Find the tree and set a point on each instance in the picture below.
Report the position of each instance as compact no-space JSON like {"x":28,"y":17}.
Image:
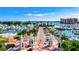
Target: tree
{"x":34,"y":31}
{"x":17,"y":37}
{"x":64,"y":37}
{"x":66,"y":45}
{"x":70,"y":45}
{"x":51,"y":31}
{"x":22,"y":32}
{"x":0,"y":32}
{"x":28,"y":23}
{"x":75,"y":44}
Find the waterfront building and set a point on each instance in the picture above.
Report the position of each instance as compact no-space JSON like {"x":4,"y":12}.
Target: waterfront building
{"x":69,"y":20}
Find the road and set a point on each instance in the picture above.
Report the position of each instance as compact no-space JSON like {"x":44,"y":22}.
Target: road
{"x":40,"y":36}
{"x":39,"y":42}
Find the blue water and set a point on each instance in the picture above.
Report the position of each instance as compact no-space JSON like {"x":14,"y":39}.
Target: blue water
{"x":66,"y":32}
{"x":69,"y":34}
{"x":9,"y":31}
{"x":53,"y":22}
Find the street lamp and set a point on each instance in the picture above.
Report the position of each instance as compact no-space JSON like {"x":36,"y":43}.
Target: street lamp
{"x":21,"y":42}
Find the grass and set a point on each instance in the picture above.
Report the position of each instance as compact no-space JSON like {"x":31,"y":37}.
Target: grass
{"x":2,"y":45}
{"x":3,"y":39}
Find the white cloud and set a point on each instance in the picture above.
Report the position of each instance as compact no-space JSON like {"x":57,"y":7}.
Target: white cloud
{"x":70,"y":15}
{"x":39,"y":15}
{"x":29,"y":14}
{"x":43,"y":14}
{"x":76,"y":14}
{"x":49,"y":13}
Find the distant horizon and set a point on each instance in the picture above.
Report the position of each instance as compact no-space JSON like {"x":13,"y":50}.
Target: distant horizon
{"x":37,"y":13}
{"x":25,"y":21}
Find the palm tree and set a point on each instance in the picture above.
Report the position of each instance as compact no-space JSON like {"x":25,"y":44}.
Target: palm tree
{"x":64,"y":37}
{"x":51,"y":31}
{"x":70,"y":45}
{"x":63,"y":41}
{"x":66,"y":46}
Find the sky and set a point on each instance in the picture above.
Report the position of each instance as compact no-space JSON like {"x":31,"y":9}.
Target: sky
{"x":37,"y":13}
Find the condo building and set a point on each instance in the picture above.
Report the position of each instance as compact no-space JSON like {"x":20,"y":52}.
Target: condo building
{"x":69,"y":23}
{"x":69,"y":20}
